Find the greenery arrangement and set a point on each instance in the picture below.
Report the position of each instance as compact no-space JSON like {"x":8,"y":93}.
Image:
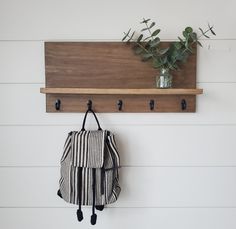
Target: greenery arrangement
{"x":147,"y":44}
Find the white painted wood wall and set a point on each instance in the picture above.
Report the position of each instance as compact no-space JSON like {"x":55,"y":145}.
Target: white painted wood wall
{"x":179,"y":170}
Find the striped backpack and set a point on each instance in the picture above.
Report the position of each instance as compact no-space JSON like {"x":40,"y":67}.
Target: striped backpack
{"x":89,"y":169}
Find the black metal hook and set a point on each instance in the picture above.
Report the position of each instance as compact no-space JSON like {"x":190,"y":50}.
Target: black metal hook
{"x":119,"y":104}
{"x":183,"y":104}
{"x":58,"y":104}
{"x":151,"y":104}
{"x":89,"y":104}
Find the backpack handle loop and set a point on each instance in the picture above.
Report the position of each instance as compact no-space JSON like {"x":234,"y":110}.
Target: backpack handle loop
{"x":85,"y":116}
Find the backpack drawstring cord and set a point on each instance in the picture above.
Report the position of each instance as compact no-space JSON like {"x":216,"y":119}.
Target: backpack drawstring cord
{"x":94,"y":216}
{"x":79,"y":211}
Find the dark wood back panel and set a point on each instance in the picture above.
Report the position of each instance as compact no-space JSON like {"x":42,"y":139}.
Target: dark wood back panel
{"x":105,"y":65}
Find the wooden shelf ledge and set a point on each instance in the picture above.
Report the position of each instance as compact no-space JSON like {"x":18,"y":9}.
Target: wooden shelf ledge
{"x":118,"y":91}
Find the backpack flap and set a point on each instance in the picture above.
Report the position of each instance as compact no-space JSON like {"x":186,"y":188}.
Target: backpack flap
{"x":87,"y":148}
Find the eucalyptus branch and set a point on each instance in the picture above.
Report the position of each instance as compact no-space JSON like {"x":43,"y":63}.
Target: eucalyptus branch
{"x":141,"y":46}
{"x":205,"y":32}
{"x":148,"y":48}
{"x":146,"y":23}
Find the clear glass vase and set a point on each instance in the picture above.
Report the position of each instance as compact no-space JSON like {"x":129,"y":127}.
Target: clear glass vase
{"x":164,"y":80}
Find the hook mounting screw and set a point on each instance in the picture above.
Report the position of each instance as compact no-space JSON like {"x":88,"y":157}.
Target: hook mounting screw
{"x":119,"y":104}
{"x":151,"y":104}
{"x":58,"y":104}
{"x":183,"y":104}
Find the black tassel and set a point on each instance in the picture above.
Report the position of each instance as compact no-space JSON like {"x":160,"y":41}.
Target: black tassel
{"x":99,"y":207}
{"x":79,"y":215}
{"x":93,"y":219}
{"x":79,"y":212}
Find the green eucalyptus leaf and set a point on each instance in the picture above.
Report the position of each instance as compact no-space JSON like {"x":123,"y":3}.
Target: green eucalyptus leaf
{"x":201,"y":30}
{"x":130,"y":38}
{"x":186,"y":43}
{"x":181,"y":40}
{"x":164,"y":51}
{"x":213,"y":32}
{"x":144,"y":29}
{"x":193,"y":36}
{"x":189,"y":49}
{"x":138,"y":50}
{"x":175,"y":53}
{"x":146,"y":38}
{"x":145,"y":21}
{"x":157,"y":39}
{"x":155,"y":43}
{"x":206,"y":36}
{"x":185,"y":34}
{"x":126,"y":35}
{"x":147,"y":44}
{"x":139,"y":38}
{"x":177,"y":45}
{"x":179,"y":57}
{"x":199,"y":43}
{"x":211,"y":29}
{"x":188,"y":30}
{"x":156,"y":32}
{"x":157,"y":63}
{"x":164,"y":60}
{"x":152,"y":24}
{"x":146,"y":56}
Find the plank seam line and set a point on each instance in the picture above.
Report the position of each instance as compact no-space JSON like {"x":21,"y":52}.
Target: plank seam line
{"x":101,"y":40}
{"x":145,"y":207}
{"x":120,"y":124}
{"x":42,"y":83}
{"x":125,"y":166}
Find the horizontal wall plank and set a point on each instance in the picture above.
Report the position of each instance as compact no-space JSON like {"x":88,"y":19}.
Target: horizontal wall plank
{"x":211,"y":60}
{"x":141,"y":187}
{"x":138,"y":145}
{"x":24,"y":105}
{"x":117,"y":218}
{"x":78,"y":20}
{"x":23,"y":62}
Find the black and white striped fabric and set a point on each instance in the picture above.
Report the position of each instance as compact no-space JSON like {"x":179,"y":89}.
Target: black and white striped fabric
{"x":89,"y":169}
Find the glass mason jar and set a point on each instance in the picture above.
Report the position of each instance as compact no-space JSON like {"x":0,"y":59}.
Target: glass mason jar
{"x":164,"y":80}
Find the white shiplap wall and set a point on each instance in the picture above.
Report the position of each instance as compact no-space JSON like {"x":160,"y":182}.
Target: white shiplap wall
{"x":179,"y":170}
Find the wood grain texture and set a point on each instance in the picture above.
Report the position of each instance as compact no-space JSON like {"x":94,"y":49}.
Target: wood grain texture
{"x":106,"y":65}
{"x":120,"y":91}
{"x":131,"y":103}
{"x":110,"y":65}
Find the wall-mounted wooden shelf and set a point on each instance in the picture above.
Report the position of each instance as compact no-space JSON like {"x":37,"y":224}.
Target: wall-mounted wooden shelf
{"x":121,"y":91}
{"x":108,"y":74}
